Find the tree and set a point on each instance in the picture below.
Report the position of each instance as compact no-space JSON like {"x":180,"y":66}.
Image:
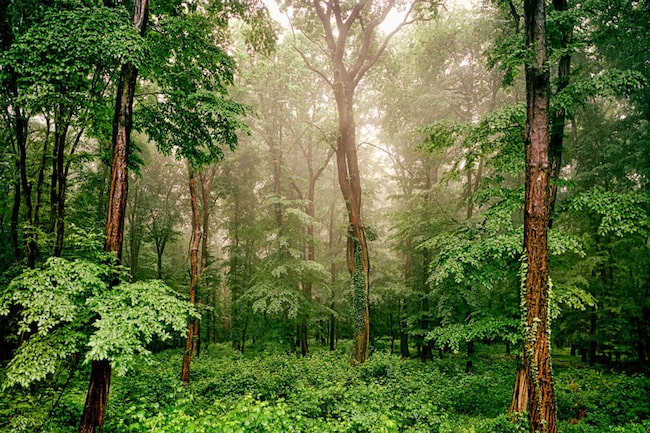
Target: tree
{"x":343,"y":26}
{"x":191,"y":116}
{"x":92,"y":418}
{"x":537,"y":356}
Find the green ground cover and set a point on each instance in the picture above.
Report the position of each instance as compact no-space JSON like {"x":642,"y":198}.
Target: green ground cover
{"x":268,"y":390}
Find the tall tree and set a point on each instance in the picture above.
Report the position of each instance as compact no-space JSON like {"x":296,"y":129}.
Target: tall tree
{"x":92,"y":419}
{"x":537,"y":357}
{"x":354,"y":44}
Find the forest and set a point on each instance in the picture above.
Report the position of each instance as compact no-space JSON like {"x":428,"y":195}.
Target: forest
{"x":325,"y":216}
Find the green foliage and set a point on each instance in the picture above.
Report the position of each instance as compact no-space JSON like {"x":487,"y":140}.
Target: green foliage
{"x":274,"y":392}
{"x":489,"y":328}
{"x":60,"y":303}
{"x":191,"y":116}
{"x":602,"y":400}
{"x":130,"y":315}
{"x":620,"y":214}
{"x":55,"y":59}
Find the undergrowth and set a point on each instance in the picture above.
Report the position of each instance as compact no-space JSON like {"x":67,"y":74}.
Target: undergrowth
{"x":271,"y":391}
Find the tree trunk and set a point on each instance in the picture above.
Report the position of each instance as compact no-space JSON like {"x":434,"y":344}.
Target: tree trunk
{"x":358,"y":261}
{"x":519,"y":402}
{"x":403,"y":334}
{"x":101,"y":208}
{"x":194,"y":273}
{"x":15,"y":214}
{"x":97,"y":398}
{"x":537,"y":357}
{"x":92,"y":419}
{"x":58,"y":206}
{"x":26,"y":187}
{"x":207,"y":178}
{"x":41,"y":174}
{"x":559,"y":116}
{"x":134,"y":242}
{"x":333,"y":275}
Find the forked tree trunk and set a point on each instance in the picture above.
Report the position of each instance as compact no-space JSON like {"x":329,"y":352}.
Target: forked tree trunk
{"x":92,"y":419}
{"x":537,"y":357}
{"x":346,"y":75}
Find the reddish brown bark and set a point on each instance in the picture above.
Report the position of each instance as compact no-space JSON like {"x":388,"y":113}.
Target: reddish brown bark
{"x":92,"y":419}
{"x":192,"y":330}
{"x":537,"y":357}
{"x":519,"y":403}
{"x":97,"y":397}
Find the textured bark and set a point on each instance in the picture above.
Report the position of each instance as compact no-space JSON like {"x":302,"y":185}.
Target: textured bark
{"x":357,"y":258}
{"x":92,"y":419}
{"x":537,"y":357}
{"x":97,"y":397}
{"x":519,"y":402}
{"x":194,"y":274}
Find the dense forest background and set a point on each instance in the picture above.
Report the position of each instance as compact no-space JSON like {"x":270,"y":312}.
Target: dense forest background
{"x":238,"y":244}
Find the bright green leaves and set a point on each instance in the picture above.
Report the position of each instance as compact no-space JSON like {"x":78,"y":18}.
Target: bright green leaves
{"x":130,"y":315}
{"x":59,"y":304}
{"x":488,"y":328}
{"x":190,"y":114}
{"x":51,"y":306}
{"x":53,"y":295}
{"x":619,"y":214}
{"x":57,"y":59}
{"x":41,"y":355}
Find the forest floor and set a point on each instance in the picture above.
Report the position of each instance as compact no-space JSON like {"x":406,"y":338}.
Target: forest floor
{"x":268,"y":390}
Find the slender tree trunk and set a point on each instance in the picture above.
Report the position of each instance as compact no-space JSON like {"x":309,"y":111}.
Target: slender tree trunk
{"x":26,"y":188}
{"x":58,"y":205}
{"x":134,"y":247}
{"x":101,"y":207}
{"x":41,"y":175}
{"x":194,"y":273}
{"x":403,"y":334}
{"x":559,"y":116}
{"x":333,"y":276}
{"x":15,"y":214}
{"x":207,"y":177}
{"x":92,"y":419}
{"x":537,"y":357}
{"x":159,"y":254}
{"x":53,"y":190}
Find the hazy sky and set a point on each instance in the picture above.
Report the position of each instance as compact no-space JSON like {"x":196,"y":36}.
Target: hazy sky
{"x":391,"y":21}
